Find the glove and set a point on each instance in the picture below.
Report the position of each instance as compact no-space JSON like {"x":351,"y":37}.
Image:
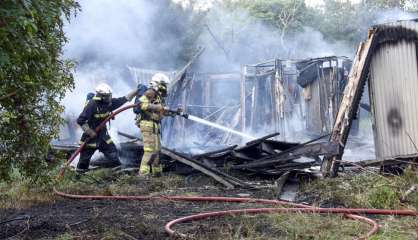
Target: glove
{"x":91,"y":133}
{"x":179,"y":111}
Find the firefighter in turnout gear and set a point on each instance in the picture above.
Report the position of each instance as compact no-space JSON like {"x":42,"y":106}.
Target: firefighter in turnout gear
{"x":95,"y":111}
{"x":152,"y":110}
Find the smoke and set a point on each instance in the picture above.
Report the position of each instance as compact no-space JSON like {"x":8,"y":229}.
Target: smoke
{"x":233,"y":37}
{"x":107,"y":36}
{"x":392,"y":15}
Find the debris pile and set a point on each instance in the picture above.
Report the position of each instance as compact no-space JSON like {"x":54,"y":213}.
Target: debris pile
{"x":261,"y":157}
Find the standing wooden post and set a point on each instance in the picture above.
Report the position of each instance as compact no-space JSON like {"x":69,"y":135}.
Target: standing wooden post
{"x":349,"y":103}
{"x":243,"y":98}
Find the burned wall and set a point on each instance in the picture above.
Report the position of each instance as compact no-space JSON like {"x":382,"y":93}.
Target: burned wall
{"x":393,"y":84}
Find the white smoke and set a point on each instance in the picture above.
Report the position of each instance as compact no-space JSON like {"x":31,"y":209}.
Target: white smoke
{"x":392,"y":15}
{"x":107,"y":36}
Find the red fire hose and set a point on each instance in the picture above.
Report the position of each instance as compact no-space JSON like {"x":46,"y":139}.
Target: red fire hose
{"x":301,"y":208}
{"x":170,"y":231}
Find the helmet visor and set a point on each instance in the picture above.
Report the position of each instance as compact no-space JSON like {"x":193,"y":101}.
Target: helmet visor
{"x":107,"y":98}
{"x":162,"y":88}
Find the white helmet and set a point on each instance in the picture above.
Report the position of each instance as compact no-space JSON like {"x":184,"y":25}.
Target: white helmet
{"x":158,"y":80}
{"x":103,"y":89}
{"x":104,"y":92}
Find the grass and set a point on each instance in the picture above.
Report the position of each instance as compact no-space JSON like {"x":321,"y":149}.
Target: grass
{"x":22,"y":193}
{"x":276,"y":226}
{"x":65,"y":236}
{"x":365,"y":190}
{"x":370,"y":190}
{"x":105,"y":182}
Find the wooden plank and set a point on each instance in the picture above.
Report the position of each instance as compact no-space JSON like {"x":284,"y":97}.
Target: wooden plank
{"x":349,"y":103}
{"x":198,"y":167}
{"x":212,"y":172}
{"x":262,"y":139}
{"x":304,"y":150}
{"x":223,"y":150}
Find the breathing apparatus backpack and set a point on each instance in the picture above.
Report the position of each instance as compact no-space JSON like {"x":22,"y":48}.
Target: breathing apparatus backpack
{"x":141,"y":89}
{"x":89,"y":97}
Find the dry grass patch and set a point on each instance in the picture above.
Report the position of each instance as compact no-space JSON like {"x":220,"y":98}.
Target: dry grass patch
{"x":275,"y":226}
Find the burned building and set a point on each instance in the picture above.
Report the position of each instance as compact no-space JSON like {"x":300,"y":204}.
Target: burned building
{"x":387,"y":61}
{"x":211,"y":96}
{"x":297,"y":98}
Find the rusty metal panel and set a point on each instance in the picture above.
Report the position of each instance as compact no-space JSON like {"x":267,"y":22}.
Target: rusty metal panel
{"x":394,"y":90}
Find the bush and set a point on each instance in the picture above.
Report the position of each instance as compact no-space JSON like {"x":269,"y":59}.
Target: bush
{"x":34,"y":78}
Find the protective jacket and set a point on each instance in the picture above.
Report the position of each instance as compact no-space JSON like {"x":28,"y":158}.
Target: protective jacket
{"x":148,"y":101}
{"x":149,"y":119}
{"x":94,"y":113}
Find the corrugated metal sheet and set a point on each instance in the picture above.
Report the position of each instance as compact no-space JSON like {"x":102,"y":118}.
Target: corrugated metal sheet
{"x":394,"y":91}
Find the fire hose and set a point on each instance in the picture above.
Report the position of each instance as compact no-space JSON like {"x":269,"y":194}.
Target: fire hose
{"x":300,"y":208}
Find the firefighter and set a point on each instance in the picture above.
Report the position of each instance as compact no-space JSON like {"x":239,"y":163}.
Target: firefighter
{"x":95,"y":111}
{"x":152,"y":110}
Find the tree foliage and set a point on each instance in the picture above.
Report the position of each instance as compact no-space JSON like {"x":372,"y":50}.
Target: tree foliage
{"x":288,"y":16}
{"x":336,"y":20}
{"x":34,"y":78}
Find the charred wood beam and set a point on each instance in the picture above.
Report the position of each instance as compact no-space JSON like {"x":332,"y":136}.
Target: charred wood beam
{"x":181,"y":73}
{"x":198,"y":166}
{"x":262,"y":139}
{"x":315,"y":149}
{"x":209,"y":154}
{"x":256,"y":145}
{"x":263,"y":164}
{"x":223,"y":178}
{"x":307,"y":150}
{"x":242,"y":157}
{"x":285,"y":167}
{"x":281,"y":146}
{"x":220,"y":45}
{"x":279,"y":171}
{"x":290,"y":150}
{"x":350,"y":102}
{"x":267,"y":148}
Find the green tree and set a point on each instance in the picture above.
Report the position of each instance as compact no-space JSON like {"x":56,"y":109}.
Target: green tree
{"x":344,"y":21}
{"x":287,"y":16}
{"x":34,"y":78}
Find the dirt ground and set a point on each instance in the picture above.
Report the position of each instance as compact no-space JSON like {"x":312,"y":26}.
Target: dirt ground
{"x":64,"y":219}
{"x":103,"y":219}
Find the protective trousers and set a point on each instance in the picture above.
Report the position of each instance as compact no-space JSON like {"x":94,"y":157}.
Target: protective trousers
{"x":150,"y":162}
{"x":108,"y":149}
